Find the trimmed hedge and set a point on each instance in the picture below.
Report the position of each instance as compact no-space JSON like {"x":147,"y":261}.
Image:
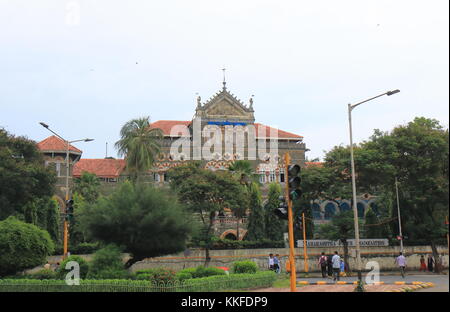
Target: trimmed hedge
{"x":204,"y":284}
{"x":232,"y":281}
{"x":248,"y":267}
{"x":199,"y":271}
{"x":159,"y":275}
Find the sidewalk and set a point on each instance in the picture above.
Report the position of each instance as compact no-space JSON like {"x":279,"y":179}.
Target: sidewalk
{"x":386,"y":273}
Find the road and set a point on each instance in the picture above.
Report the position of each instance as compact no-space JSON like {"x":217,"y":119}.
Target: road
{"x":441,"y":281}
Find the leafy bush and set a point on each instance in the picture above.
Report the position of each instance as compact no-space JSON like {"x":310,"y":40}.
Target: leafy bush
{"x":22,"y":246}
{"x":202,"y":271}
{"x":181,"y":276}
{"x":44,"y":274}
{"x":241,"y":267}
{"x":85,"y":248}
{"x":107,"y":264}
{"x":84,"y":267}
{"x":158,"y":275}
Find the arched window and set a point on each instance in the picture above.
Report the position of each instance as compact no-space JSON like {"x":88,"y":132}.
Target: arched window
{"x":345,"y":207}
{"x":330,"y":210}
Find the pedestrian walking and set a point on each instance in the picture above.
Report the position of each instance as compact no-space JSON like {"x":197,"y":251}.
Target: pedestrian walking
{"x":279,"y":263}
{"x":401,"y":261}
{"x":330,"y":266}
{"x":336,"y":262}
{"x":271,"y":262}
{"x":276,"y":264}
{"x":323,"y":261}
{"x":423,"y":265}
{"x":430,"y":263}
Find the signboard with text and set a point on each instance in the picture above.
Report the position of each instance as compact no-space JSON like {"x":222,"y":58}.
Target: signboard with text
{"x":322,"y":243}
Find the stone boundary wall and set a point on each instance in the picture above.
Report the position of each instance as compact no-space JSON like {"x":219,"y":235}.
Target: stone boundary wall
{"x":385,"y":256}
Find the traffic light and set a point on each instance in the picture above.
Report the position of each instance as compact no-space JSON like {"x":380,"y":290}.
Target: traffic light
{"x":294,"y":181}
{"x":69,"y":210}
{"x":282,"y":210}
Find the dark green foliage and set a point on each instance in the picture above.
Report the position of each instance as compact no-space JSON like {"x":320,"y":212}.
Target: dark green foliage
{"x":256,"y":219}
{"x":146,"y":221}
{"x":107,"y":264}
{"x":371,"y":230}
{"x":84,"y":267}
{"x":23,"y":176}
{"x":274,"y":226}
{"x":199,"y":272}
{"x":44,"y":274}
{"x":44,"y":212}
{"x":88,"y":186}
{"x":85,"y":248}
{"x":205,"y":193}
{"x":22,"y":246}
{"x":241,"y":267}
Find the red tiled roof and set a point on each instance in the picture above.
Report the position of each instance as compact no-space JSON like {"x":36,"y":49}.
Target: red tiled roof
{"x":53,"y":143}
{"x":166,"y":126}
{"x":281,"y":134}
{"x":102,"y":168}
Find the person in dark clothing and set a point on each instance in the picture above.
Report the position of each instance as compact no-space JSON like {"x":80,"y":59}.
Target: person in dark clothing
{"x":323,"y":262}
{"x":329,"y":266}
{"x":430,"y":263}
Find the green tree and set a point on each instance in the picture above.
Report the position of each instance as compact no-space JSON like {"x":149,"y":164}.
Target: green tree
{"x":140,"y":144}
{"x":22,"y":245}
{"x":207,"y":193}
{"x":243,"y":172}
{"x":275,"y":227}
{"x":44,"y":212}
{"x":373,"y":226}
{"x":107,"y":264}
{"x":146,"y":221}
{"x":256,"y":219}
{"x":23,"y":176}
{"x":341,"y":228}
{"x":88,"y":186}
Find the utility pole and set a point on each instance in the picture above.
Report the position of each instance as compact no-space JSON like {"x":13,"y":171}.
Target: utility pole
{"x":399,"y":218}
{"x":352,"y":161}
{"x":305,"y":253}
{"x":287,"y":160}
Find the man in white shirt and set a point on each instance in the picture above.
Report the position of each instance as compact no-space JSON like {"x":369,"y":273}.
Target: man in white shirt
{"x":271,"y":262}
{"x":401,"y":261}
{"x":336,"y":263}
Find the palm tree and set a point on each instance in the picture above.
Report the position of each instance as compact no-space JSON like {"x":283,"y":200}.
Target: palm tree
{"x":242,"y":170}
{"x":140,"y":145}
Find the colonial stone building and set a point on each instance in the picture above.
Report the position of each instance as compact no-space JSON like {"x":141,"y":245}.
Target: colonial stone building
{"x":223,"y":130}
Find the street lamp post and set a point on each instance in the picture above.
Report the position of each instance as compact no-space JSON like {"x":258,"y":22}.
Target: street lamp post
{"x":65,"y":237}
{"x":355,"y":207}
{"x":399,"y":218}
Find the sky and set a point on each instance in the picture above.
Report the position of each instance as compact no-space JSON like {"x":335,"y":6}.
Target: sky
{"x":86,"y":67}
